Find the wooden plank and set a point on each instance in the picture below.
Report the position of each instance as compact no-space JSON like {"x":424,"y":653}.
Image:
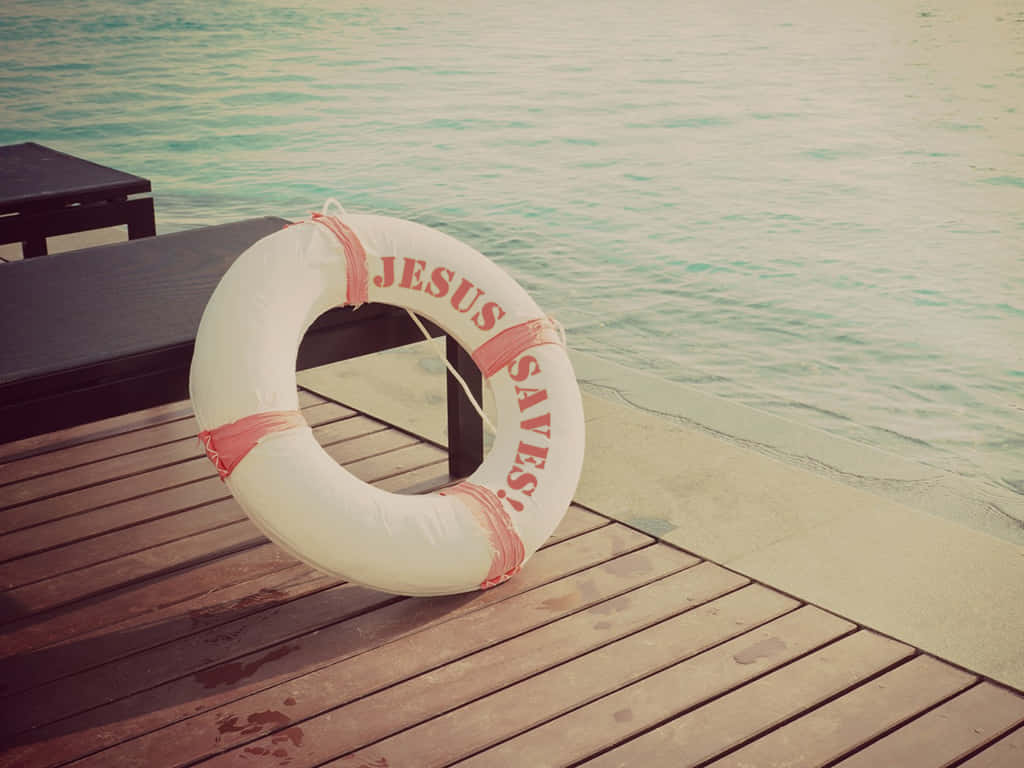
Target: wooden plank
{"x":98,"y":472}
{"x":76,"y":585}
{"x":109,"y":532}
{"x":55,"y":507}
{"x":73,"y":456}
{"x":349,"y":428}
{"x":126,"y":541}
{"x":215,"y":608}
{"x":95,"y":430}
{"x":393,"y":453}
{"x":245,"y":635}
{"x":577,"y":521}
{"x":684,"y":688}
{"x":140,"y":599}
{"x":709,"y":730}
{"x":1008,"y":752}
{"x":115,"y":425}
{"x":333,"y":423}
{"x":422,"y":698}
{"x":851,"y":720}
{"x":402,"y":706}
{"x":219,"y":606}
{"x":396,"y":463}
{"x":381,"y":666}
{"x":252,"y":639}
{"x":188,"y":696}
{"x":130,"y":442}
{"x":428,"y":478}
{"x":513,"y":710}
{"x":84,"y":499}
{"x":148,"y":563}
{"x":948,"y":733}
{"x":111,"y":517}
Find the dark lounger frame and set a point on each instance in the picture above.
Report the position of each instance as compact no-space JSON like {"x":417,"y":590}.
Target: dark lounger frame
{"x":107,"y":330}
{"x":44,"y":193}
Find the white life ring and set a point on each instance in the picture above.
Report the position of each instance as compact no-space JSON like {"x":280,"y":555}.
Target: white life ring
{"x":470,"y":536}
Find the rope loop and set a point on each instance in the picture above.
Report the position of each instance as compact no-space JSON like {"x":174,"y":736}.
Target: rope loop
{"x":439,"y":350}
{"x":327,"y":207}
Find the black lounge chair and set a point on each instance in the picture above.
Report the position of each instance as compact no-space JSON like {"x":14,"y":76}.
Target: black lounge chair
{"x":103,"y":331}
{"x":44,"y":193}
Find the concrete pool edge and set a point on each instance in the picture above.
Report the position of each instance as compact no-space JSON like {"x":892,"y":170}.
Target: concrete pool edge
{"x":948,"y":589}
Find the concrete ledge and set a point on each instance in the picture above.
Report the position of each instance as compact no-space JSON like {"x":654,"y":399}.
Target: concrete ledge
{"x":983,"y":506}
{"x":951,"y":590}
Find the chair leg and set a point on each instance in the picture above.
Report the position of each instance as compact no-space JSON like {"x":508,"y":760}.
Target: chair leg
{"x":141,"y":218}
{"x":33,"y":247}
{"x":465,"y":427}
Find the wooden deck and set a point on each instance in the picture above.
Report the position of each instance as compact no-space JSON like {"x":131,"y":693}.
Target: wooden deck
{"x":146,"y":622}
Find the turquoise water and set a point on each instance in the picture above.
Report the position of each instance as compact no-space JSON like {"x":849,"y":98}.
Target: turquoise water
{"x":814,"y":208}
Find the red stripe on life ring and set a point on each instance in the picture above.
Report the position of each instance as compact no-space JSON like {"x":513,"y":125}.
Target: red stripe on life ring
{"x":228,"y":444}
{"x":507,"y":548}
{"x":357,"y":279}
{"x":500,"y":350}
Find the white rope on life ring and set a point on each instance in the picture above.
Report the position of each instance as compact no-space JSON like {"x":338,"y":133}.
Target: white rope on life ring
{"x":470,"y":536}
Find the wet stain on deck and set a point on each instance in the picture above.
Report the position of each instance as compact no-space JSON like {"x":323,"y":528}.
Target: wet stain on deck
{"x":199,"y":616}
{"x":631,"y":565}
{"x":613,"y":606}
{"x":563,"y":603}
{"x":589,"y":591}
{"x":256,"y":722}
{"x":293,"y":735}
{"x":380,"y":762}
{"x":623,"y":715}
{"x":235,"y":671}
{"x":760,"y":650}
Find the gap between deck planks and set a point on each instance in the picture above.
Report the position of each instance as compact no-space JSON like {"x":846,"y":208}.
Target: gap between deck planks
{"x":149,"y":623}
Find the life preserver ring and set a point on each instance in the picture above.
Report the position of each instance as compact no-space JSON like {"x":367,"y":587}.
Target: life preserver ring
{"x":472,"y":535}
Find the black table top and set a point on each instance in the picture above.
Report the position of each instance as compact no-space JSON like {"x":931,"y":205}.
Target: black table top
{"x":34,"y":178}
